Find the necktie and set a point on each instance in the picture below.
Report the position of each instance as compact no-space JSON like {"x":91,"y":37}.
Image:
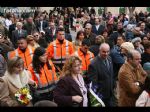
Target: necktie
{"x":107,"y":64}
{"x":19,"y":32}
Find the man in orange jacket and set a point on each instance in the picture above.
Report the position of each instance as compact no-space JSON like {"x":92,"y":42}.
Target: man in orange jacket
{"x":60,"y":49}
{"x":22,"y":51}
{"x":85,"y":55}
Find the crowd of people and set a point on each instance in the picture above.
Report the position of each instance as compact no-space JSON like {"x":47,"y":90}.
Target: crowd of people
{"x":111,"y":53}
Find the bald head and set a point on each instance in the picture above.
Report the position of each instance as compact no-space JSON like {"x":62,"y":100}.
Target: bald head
{"x":88,"y":25}
{"x":104,"y":50}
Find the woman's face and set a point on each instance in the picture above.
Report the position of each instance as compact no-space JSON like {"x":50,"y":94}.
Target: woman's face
{"x":137,"y":44}
{"x":105,"y":35}
{"x":145,"y":40}
{"x":18,"y":69}
{"x":31,"y":41}
{"x":36,"y":37}
{"x":76,"y":67}
{"x":43,"y":58}
{"x":81,"y":36}
{"x":123,"y":51}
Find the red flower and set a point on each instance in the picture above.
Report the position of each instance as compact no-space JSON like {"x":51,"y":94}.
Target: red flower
{"x":22,"y":96}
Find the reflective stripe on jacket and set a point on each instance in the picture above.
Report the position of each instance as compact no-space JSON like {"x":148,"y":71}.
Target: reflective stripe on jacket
{"x":46,"y":80}
{"x":59,"y":52}
{"x":27,"y":56}
{"x":86,"y":59}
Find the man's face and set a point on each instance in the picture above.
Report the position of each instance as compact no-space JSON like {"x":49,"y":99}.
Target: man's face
{"x":61,"y":22}
{"x":147,"y":50}
{"x":52,"y":25}
{"x":60,"y":35}
{"x":97,"y":21}
{"x":85,"y":48}
{"x":19,"y":27}
{"x":104,"y":52}
{"x":136,"y":59}
{"x":87,"y":30}
{"x":142,"y":27}
{"x":41,"y":18}
{"x":119,"y":26}
{"x":22,"y":44}
{"x":30,"y":20}
{"x":119,"y":41}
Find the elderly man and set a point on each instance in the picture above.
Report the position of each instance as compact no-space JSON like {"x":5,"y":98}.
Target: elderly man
{"x":100,"y":72}
{"x":131,"y":78}
{"x":89,"y":35}
{"x":16,"y":34}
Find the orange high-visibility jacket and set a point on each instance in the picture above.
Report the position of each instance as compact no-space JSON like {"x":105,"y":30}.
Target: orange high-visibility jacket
{"x":27,"y":56}
{"x":59,"y":52}
{"x":45,"y":79}
{"x":86,"y":59}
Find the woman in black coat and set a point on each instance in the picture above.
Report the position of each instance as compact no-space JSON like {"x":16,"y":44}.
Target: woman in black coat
{"x":71,"y":90}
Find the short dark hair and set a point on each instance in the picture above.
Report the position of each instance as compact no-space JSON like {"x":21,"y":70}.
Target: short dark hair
{"x":86,"y":42}
{"x":123,"y":37}
{"x":147,"y":45}
{"x":60,"y":29}
{"x":20,"y":38}
{"x":129,"y":55}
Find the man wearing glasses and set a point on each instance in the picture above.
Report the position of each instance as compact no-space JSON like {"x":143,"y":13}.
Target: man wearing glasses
{"x":89,"y":35}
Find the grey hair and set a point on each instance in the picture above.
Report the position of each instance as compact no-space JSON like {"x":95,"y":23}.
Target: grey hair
{"x":102,"y":45}
{"x":19,"y":24}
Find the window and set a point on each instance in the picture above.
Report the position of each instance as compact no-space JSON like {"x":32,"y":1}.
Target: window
{"x":101,"y":10}
{"x":148,"y":9}
{"x":121,"y":10}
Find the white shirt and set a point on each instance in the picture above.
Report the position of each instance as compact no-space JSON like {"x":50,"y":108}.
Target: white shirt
{"x":143,"y":100}
{"x":8,"y":23}
{"x":97,"y":26}
{"x":83,"y":89}
{"x":41,"y":25}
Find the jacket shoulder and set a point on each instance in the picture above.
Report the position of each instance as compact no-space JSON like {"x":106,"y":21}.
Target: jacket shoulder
{"x":94,"y":61}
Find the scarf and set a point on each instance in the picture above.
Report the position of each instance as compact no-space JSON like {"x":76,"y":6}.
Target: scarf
{"x":18,"y":80}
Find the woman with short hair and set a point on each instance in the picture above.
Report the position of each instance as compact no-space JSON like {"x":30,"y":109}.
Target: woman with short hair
{"x":15,"y":78}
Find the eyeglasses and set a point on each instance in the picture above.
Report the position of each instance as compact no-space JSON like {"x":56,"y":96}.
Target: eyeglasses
{"x":19,"y":66}
{"x":88,"y":28}
{"x":36,"y":35}
{"x":30,"y":40}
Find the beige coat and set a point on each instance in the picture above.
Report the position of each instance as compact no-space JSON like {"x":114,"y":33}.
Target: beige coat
{"x":9,"y":85}
{"x":128,"y":90}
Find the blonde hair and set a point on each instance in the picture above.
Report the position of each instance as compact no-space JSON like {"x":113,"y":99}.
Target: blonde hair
{"x":128,"y":46}
{"x":29,"y":37}
{"x":67,"y":68}
{"x":14,"y":62}
{"x":99,"y":39}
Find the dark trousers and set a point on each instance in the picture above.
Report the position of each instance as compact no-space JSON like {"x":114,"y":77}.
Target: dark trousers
{"x":110,"y":102}
{"x":44,"y":96}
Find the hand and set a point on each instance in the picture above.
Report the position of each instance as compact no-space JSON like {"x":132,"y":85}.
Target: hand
{"x":77,"y":98}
